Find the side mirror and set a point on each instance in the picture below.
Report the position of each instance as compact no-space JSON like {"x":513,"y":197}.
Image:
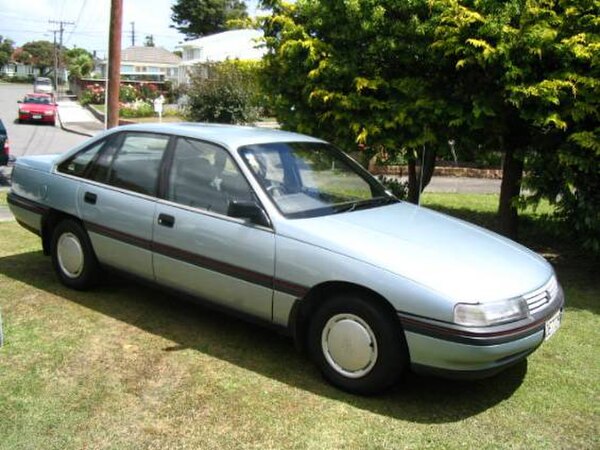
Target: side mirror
{"x":19,"y":101}
{"x":250,"y":210}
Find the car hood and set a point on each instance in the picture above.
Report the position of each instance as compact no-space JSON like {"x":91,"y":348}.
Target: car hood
{"x":36,"y":108}
{"x":459,"y":260}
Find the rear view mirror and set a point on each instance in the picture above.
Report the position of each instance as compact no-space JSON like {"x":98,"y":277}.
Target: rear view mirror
{"x":250,"y":210}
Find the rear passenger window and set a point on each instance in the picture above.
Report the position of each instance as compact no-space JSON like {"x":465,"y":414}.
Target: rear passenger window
{"x":205,"y":176}
{"x":136,"y":164}
{"x":76,"y":165}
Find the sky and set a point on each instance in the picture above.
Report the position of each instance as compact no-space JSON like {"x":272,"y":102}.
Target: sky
{"x":28,"y":20}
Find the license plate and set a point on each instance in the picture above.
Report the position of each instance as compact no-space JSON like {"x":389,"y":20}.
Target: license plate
{"x":36,"y":116}
{"x":552,"y":325}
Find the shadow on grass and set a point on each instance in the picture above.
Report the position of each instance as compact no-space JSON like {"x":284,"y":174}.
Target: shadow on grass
{"x":416,"y":399}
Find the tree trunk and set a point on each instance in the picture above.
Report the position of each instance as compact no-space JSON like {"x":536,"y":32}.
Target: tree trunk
{"x":512,"y":175}
{"x":415,"y":185}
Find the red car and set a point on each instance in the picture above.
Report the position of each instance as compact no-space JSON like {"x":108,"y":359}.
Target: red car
{"x":37,"y":108}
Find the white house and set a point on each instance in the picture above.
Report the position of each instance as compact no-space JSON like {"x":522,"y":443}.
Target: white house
{"x":147,"y":64}
{"x":233,"y":44}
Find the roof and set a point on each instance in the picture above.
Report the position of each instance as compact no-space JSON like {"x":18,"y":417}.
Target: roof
{"x":232,"y":44}
{"x":231,"y":136}
{"x":149,"y":55}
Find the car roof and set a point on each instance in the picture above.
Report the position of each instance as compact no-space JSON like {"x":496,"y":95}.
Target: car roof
{"x":232,"y":136}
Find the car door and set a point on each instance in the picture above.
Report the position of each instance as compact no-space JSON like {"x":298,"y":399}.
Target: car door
{"x":117,"y":200}
{"x":198,"y":248}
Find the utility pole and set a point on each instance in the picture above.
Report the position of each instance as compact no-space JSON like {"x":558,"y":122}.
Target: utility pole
{"x":133,"y":34}
{"x":114,"y":63}
{"x":55,"y":61}
{"x":61,"y":29}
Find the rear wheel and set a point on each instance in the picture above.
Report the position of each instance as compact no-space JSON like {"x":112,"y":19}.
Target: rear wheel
{"x":73,"y":257}
{"x":357,"y":344}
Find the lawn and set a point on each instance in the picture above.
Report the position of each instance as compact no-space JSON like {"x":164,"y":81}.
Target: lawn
{"x":3,"y":198}
{"x":125,"y":366}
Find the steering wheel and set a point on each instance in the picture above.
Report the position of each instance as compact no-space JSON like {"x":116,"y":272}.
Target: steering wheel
{"x":276,"y":190}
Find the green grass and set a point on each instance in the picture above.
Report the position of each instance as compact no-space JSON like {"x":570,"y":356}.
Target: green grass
{"x":3,"y":198}
{"x":127,"y":367}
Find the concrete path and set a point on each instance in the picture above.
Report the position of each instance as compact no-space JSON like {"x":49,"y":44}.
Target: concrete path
{"x":75,"y":118}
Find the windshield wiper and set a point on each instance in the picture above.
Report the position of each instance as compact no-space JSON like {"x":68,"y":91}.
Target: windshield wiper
{"x":363,"y":204}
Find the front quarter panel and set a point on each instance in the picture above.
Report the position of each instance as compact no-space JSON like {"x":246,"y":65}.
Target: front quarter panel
{"x":301,"y":266}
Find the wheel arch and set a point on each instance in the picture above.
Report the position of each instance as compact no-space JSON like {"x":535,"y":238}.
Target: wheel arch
{"x":52,"y":218}
{"x":304,"y":308}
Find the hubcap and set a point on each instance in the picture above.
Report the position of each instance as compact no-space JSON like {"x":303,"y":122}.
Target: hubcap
{"x":349,"y":345}
{"x":70,"y":255}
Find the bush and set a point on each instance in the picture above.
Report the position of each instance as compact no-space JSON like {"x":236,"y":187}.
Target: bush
{"x":223,"y":93}
{"x":138,"y":108}
{"x":93,"y":94}
{"x":17,"y":78}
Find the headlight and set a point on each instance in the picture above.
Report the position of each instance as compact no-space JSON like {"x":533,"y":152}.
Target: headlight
{"x":49,"y":113}
{"x":483,"y":314}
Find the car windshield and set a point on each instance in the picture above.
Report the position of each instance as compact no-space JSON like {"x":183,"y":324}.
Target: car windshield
{"x":37,"y":100}
{"x":306,"y":179}
{"x":42,"y":82}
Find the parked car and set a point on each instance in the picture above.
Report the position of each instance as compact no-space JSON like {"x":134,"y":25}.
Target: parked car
{"x":4,"y":150}
{"x":286,"y":229}
{"x":37,"y":108}
{"x":42,"y":85}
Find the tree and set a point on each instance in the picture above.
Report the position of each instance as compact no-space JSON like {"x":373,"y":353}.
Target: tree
{"x":149,"y":41}
{"x":39,"y":54}
{"x":520,"y":76}
{"x":6,"y":50}
{"x":80,"y":62}
{"x":529,"y":73}
{"x":196,"y":18}
{"x":360,"y":73}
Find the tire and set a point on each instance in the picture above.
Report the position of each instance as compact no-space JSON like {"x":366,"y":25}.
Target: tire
{"x":73,"y":257}
{"x":357,"y":344}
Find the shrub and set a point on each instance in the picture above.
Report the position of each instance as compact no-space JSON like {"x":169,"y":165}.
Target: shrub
{"x":222,"y":93}
{"x":138,"y":108}
{"x":128,"y":93}
{"x":93,"y":94}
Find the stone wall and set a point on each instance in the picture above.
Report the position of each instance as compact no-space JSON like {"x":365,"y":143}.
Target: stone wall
{"x":467,"y":172}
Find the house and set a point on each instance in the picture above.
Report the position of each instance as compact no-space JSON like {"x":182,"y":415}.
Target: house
{"x":15,"y":69}
{"x":146,"y":64}
{"x":233,"y":44}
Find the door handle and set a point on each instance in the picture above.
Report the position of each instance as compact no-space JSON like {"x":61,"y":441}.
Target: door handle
{"x":166,"y":220}
{"x":90,"y":198}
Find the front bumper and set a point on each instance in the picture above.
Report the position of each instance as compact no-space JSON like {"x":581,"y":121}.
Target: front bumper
{"x":35,"y":117}
{"x":463,"y":352}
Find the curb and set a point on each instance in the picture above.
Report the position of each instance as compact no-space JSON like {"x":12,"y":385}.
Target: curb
{"x":100,"y":116}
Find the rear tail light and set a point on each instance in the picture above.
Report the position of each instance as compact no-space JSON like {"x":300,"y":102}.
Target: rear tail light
{"x":5,"y":147}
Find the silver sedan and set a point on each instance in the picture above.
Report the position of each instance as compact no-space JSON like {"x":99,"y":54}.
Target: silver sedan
{"x":287,"y":230}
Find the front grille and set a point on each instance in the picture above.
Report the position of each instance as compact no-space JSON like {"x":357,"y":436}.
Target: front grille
{"x":539,"y":298}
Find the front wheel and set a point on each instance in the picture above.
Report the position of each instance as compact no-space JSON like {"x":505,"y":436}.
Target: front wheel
{"x":73,"y":257}
{"x":358,"y":345}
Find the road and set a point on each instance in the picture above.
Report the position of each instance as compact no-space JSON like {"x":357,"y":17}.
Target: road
{"x":29,"y":139}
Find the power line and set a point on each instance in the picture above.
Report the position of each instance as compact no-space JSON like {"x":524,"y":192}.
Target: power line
{"x":76,"y":21}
